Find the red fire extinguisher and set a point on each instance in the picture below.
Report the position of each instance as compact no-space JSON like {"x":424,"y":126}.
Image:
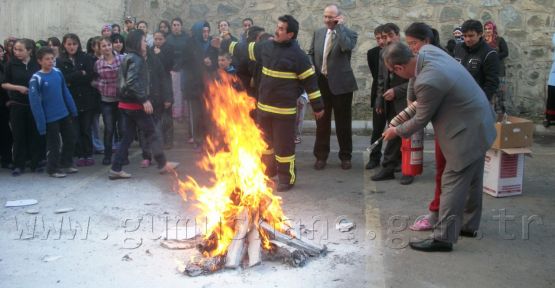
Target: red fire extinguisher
{"x":412,"y":150}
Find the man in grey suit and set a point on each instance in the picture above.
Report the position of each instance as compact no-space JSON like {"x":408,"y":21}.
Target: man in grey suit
{"x":463,"y":121}
{"x":330,"y":52}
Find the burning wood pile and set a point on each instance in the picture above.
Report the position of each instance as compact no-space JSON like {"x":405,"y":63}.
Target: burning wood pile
{"x":245,"y":222}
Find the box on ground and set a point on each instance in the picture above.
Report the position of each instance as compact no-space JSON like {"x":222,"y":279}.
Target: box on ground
{"x":503,"y":171}
{"x":516,"y":133}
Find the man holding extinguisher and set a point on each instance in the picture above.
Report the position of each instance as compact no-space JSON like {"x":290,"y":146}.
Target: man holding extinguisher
{"x":463,"y":122}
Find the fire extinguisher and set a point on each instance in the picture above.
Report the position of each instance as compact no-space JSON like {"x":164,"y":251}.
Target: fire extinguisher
{"x":412,"y":150}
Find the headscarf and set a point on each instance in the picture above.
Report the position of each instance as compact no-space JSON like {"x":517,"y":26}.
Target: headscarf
{"x":493,"y":43}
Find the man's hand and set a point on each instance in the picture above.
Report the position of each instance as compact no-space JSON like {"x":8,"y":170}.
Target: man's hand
{"x":389,"y":95}
{"x":389,"y":134}
{"x":339,"y":20}
{"x":167,"y":105}
{"x":156,"y":50}
{"x":379,"y":110}
{"x":318,"y":115}
{"x":148,"y":107}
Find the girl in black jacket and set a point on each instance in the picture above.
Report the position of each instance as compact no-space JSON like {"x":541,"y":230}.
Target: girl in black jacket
{"x":26,"y":140}
{"x":136,"y":108}
{"x":78,"y":69}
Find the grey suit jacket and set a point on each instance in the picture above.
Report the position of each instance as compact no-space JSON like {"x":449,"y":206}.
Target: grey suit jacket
{"x":448,"y":96}
{"x":341,"y":78}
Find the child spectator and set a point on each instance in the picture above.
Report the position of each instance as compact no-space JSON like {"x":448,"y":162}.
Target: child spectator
{"x":160,"y":95}
{"x":162,"y":52}
{"x":224,"y":63}
{"x":52,"y":104}
{"x":107,"y":70}
{"x":6,"y":139}
{"x":78,"y":70}
{"x":135,"y":107}
{"x":26,"y":141}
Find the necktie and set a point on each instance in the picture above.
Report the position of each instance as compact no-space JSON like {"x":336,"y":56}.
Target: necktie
{"x":327,"y":49}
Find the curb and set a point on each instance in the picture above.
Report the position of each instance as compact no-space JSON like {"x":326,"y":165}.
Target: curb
{"x":366,"y":126}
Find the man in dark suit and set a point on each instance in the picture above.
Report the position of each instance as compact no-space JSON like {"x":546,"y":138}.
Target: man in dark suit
{"x":330,"y":52}
{"x":378,"y":119}
{"x":463,"y":121}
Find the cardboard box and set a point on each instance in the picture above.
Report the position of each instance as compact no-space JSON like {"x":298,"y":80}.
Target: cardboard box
{"x":504,"y":171}
{"x":517,"y":133}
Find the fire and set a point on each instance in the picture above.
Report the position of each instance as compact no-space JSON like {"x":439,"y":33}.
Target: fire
{"x":234,"y":148}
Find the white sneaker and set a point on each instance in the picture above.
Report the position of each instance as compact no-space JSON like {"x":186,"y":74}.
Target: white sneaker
{"x":170,"y":167}
{"x":71,"y":170}
{"x":58,"y":174}
{"x":113,"y":175}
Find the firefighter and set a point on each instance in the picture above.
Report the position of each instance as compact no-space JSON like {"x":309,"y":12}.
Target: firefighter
{"x":286,"y":72}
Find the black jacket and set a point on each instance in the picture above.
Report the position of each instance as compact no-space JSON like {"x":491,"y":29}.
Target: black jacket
{"x":373,"y":59}
{"x":160,"y":86}
{"x":177,"y":47}
{"x":17,"y":73}
{"x":286,"y":71}
{"x":86,"y":97}
{"x":482,"y":62}
{"x":133,"y":79}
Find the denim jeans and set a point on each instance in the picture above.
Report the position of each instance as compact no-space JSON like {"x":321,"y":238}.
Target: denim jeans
{"x":110,"y":115}
{"x":97,"y":143}
{"x":63,"y":127}
{"x":134,"y":119}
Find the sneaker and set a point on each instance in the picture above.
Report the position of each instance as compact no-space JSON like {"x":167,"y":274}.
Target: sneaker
{"x":70,"y":170}
{"x":422,"y":223}
{"x":16,"y":172}
{"x":145,"y":163}
{"x":89,"y":162}
{"x":113,"y":175}
{"x":298,"y":140}
{"x":81,"y":162}
{"x":58,"y":174}
{"x":170,"y":167}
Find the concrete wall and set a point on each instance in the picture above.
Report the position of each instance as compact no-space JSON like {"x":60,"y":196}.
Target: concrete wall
{"x":527,"y":25}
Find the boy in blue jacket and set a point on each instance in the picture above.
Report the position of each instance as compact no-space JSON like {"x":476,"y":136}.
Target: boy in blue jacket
{"x":51,"y":104}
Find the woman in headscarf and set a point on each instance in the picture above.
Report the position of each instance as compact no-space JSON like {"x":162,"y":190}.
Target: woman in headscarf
{"x":498,"y":43}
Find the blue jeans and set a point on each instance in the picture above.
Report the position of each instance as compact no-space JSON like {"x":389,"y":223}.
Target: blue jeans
{"x":132,"y":120}
{"x":110,"y":114}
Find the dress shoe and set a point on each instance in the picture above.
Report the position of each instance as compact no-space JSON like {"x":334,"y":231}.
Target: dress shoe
{"x":406,"y":180}
{"x":346,"y":164}
{"x":469,"y":234}
{"x":283,"y":187}
{"x":320,"y":164}
{"x":372,"y":164}
{"x":431,"y":245}
{"x":384,"y":174}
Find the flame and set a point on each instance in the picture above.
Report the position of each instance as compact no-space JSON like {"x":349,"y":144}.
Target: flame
{"x":234,"y":148}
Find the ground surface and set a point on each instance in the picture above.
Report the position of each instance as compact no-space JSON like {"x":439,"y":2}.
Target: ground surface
{"x":115,"y":251}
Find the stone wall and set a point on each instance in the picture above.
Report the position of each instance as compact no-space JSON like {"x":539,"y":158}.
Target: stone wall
{"x":527,"y":25}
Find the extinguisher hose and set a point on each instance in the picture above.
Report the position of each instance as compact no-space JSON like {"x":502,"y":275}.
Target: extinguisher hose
{"x":401,"y":118}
